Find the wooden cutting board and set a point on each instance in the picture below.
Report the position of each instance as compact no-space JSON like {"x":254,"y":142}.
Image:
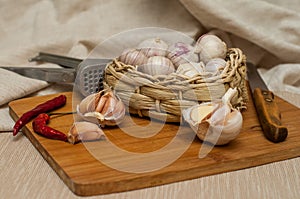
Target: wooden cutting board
{"x":80,"y":169}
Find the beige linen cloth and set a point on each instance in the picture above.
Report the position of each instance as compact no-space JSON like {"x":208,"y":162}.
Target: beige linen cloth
{"x":268,"y":31}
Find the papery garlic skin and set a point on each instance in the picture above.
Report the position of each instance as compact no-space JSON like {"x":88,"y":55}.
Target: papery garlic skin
{"x":84,"y":131}
{"x":180,"y":53}
{"x":215,"y":64}
{"x":190,"y":69}
{"x":157,"y":65}
{"x":209,"y":47}
{"x":219,"y":124}
{"x":103,"y":108}
{"x":133,"y":57}
{"x":220,"y":134}
{"x":153,"y":47}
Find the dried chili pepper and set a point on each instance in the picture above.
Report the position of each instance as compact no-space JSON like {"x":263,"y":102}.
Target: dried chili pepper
{"x":39,"y":126}
{"x":49,"y":105}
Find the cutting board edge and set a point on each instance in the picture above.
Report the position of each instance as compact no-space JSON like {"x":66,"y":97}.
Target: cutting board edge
{"x":49,"y":159}
{"x":102,"y":188}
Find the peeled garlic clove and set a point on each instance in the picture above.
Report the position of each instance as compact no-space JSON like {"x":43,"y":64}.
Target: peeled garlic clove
{"x":157,"y":65}
{"x":84,"y":131}
{"x":153,"y":47}
{"x":180,"y":53}
{"x":133,"y":57}
{"x":215,"y":64}
{"x":190,"y":69}
{"x":209,"y":47}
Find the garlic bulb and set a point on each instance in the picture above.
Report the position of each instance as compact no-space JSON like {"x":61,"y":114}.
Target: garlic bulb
{"x":133,"y":57}
{"x":180,"y":53}
{"x":104,"y":108}
{"x":157,"y":65}
{"x":215,"y":64}
{"x":190,"y":69}
{"x":153,"y":47}
{"x":218,"y":123}
{"x":84,"y":131}
{"x":209,"y":47}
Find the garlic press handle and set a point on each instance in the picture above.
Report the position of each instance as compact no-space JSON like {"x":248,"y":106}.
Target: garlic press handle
{"x":66,"y":62}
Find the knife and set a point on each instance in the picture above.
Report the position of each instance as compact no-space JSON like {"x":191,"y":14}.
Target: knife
{"x":57,"y":75}
{"x":267,"y":110}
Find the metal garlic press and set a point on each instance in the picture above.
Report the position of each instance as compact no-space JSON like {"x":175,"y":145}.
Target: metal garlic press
{"x":86,"y":74}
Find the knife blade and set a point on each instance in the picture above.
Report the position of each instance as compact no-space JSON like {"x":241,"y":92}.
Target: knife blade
{"x":57,"y":75}
{"x":267,"y":110}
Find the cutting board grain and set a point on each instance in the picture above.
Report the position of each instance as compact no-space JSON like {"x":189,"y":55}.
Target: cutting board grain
{"x":85,"y":175}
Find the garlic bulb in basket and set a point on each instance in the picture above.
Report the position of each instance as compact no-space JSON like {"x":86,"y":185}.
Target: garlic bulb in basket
{"x":157,"y":65}
{"x":215,"y":64}
{"x":190,"y":69}
{"x":218,"y":123}
{"x":180,"y":53}
{"x":103,"y":108}
{"x":133,"y":57}
{"x":209,"y":47}
{"x":153,"y":47}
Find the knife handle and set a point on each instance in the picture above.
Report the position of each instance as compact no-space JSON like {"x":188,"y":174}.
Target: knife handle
{"x":269,"y":116}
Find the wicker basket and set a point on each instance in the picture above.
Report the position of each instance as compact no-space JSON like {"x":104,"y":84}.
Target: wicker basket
{"x":164,"y":97}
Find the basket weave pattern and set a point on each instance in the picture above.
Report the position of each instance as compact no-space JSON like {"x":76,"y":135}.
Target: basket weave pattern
{"x":163,"y":97}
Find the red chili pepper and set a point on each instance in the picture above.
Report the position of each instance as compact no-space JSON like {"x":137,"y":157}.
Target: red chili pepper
{"x":39,"y":125}
{"x":49,"y":105}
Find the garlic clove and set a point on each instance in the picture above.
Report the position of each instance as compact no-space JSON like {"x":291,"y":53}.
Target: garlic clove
{"x":108,"y":109}
{"x":157,"y":65}
{"x":222,"y":134}
{"x":209,"y":47}
{"x":215,"y":64}
{"x":133,"y":57}
{"x":153,"y":47}
{"x":190,"y":69}
{"x":218,"y":117}
{"x":91,"y":115}
{"x":180,"y":53}
{"x":88,"y":103}
{"x":201,"y":112}
{"x":84,"y":131}
{"x":198,"y":113}
{"x":219,"y":124}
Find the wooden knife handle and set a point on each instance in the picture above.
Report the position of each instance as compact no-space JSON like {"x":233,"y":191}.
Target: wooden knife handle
{"x":269,"y":116}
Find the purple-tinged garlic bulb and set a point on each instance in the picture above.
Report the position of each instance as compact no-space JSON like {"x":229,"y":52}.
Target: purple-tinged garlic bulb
{"x":157,"y":65}
{"x":133,"y":57}
{"x":180,"y":53}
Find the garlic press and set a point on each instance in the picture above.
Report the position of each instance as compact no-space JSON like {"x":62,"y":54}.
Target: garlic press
{"x":87,"y":74}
